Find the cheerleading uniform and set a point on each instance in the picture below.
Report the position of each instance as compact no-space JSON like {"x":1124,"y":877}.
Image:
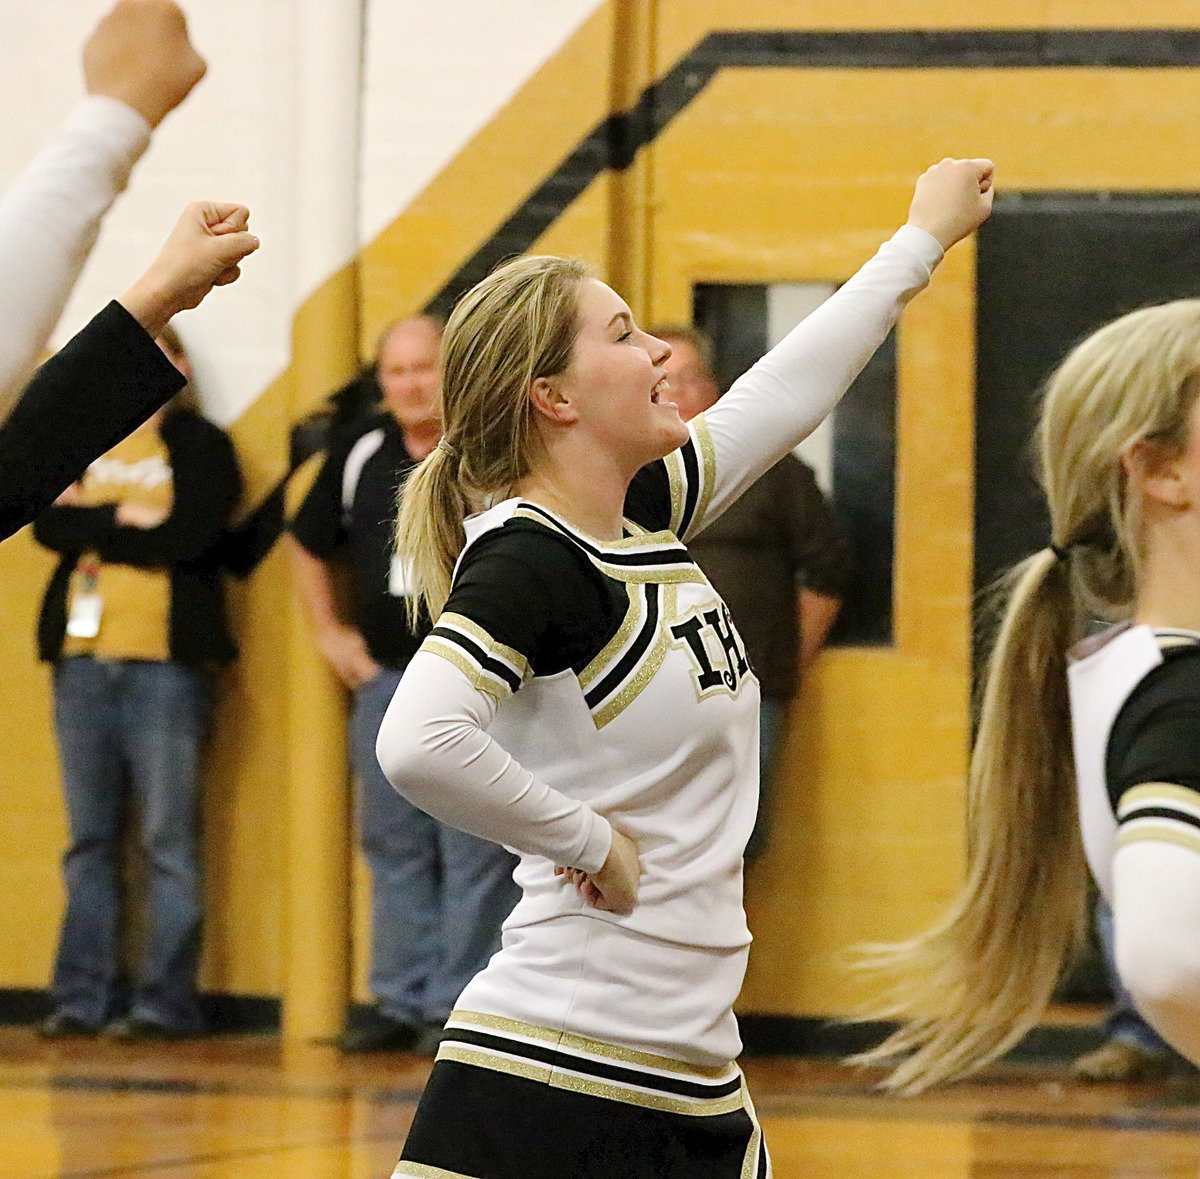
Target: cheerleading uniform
{"x":1135,"y":711}
{"x":571,"y":681}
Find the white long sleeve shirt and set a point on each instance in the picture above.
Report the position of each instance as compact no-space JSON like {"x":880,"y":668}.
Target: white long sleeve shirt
{"x":629,"y":723}
{"x":49,"y":220}
{"x":1135,"y":715}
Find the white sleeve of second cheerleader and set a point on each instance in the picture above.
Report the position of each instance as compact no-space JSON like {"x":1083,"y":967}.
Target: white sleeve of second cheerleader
{"x":434,"y":748}
{"x":1156,"y":923}
{"x":791,"y":390}
{"x":49,"y":220}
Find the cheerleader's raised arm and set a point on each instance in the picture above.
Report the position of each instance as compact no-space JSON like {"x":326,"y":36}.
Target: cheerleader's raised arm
{"x":777,"y":403}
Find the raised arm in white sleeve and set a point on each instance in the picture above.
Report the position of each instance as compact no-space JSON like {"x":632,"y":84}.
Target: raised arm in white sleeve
{"x":434,"y":748}
{"x":791,"y":390}
{"x":1156,"y":921}
{"x":49,"y":220}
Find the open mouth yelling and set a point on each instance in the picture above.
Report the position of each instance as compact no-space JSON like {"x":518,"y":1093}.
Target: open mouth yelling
{"x":658,"y":395}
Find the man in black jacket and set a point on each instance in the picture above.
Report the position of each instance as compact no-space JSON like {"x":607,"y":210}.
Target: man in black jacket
{"x":112,"y":375}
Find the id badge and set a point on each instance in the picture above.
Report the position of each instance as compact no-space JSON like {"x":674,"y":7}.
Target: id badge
{"x":84,"y":619}
{"x":400,"y":577}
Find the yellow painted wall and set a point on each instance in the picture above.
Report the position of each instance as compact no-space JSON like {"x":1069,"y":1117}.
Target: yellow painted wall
{"x":769,"y":175}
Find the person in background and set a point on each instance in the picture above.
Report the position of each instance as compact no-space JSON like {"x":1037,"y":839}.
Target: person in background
{"x":777,"y":557}
{"x":138,"y":66}
{"x":133,"y":622}
{"x":438,"y":896}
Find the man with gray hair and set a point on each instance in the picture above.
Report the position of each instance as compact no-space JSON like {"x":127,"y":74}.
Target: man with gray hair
{"x":438,"y":896}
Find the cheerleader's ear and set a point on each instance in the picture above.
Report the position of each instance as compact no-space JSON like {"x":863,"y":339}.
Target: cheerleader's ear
{"x":551,"y":402}
{"x":1161,"y":474}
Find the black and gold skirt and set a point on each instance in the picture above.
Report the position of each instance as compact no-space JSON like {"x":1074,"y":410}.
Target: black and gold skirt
{"x":508,"y":1100}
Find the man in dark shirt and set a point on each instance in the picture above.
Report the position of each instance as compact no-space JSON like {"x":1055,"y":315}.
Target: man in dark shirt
{"x":438,"y":896}
{"x":777,"y":557}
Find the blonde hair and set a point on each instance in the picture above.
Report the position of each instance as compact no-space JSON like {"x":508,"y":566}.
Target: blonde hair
{"x":518,"y":324}
{"x":968,"y":989}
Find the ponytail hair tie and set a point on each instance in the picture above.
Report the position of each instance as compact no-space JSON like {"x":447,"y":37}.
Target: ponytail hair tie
{"x":449,"y":449}
{"x":1060,"y":553}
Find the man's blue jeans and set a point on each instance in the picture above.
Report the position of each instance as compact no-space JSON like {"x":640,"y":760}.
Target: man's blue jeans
{"x":438,"y":896}
{"x":130,"y":725}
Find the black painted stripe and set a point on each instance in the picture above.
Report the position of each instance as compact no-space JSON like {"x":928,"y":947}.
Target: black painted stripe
{"x":542,"y":1054}
{"x":628,"y":663}
{"x":1160,"y":812}
{"x":613,"y":143}
{"x":666,"y":555}
{"x":479,"y":655}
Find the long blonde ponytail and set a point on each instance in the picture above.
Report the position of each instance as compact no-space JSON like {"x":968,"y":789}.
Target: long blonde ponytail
{"x":968,"y":989}
{"x":518,"y":324}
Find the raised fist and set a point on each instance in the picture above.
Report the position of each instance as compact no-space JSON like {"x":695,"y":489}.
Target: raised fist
{"x":140,"y":54}
{"x":203,"y":251}
{"x":953,"y":199}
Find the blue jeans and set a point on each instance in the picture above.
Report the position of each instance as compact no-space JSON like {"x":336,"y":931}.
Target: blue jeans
{"x":771,"y":715}
{"x":1124,"y":1022}
{"x":438,"y":896}
{"x":141,"y":724}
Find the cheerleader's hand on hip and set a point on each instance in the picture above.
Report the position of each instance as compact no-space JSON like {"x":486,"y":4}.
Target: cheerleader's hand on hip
{"x":953,"y":199}
{"x":615,"y":887}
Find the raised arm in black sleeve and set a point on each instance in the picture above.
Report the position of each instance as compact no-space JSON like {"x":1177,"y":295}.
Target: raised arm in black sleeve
{"x":104,"y":383}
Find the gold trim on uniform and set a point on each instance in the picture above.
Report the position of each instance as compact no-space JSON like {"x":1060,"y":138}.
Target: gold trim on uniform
{"x":635,"y":615}
{"x":1161,"y":831}
{"x":481,"y":679}
{"x":677,"y":484}
{"x":577,"y":1080}
{"x":405,"y":1170}
{"x":1156,"y":794}
{"x":569,"y":1042}
{"x":659,"y":574}
{"x":642,"y":538}
{"x":516,"y":661}
{"x":558,"y":1077}
{"x":750,"y":1163}
{"x":708,"y":474}
{"x":650,"y":663}
{"x":677,"y":481}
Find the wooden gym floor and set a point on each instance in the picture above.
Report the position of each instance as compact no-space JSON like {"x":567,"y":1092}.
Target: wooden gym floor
{"x":250,"y":1107}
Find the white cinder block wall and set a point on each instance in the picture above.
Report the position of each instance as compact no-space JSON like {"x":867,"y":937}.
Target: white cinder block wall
{"x":325,"y":116}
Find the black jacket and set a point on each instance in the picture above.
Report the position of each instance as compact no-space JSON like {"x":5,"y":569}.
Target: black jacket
{"x":207,"y":487}
{"x":105,"y":383}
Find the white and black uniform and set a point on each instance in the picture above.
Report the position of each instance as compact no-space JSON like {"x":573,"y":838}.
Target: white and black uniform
{"x":571,"y":680}
{"x":1135,"y":713}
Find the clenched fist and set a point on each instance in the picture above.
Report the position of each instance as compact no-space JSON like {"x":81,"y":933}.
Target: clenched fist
{"x":140,"y":55}
{"x":204,"y":251}
{"x":953,"y":199}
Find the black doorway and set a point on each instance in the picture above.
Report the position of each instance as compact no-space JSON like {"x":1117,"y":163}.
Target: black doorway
{"x":1051,"y":268}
